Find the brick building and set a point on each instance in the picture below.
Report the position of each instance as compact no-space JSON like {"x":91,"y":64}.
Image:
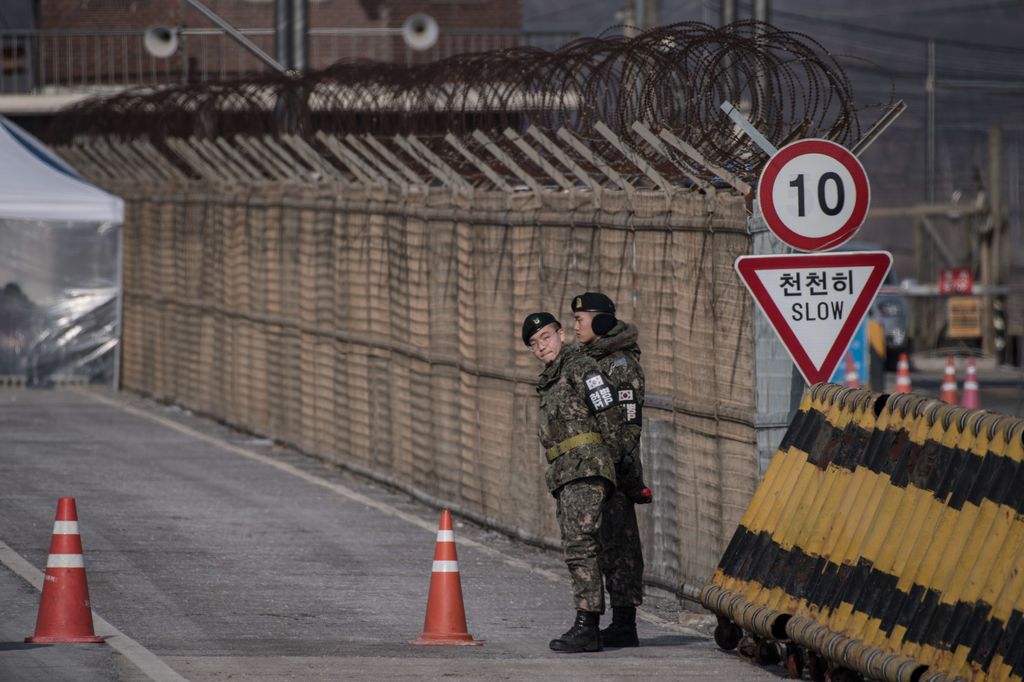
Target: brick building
{"x":89,"y":44}
{"x":254,"y":14}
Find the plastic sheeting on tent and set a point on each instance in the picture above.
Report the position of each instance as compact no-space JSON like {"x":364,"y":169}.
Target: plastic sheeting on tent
{"x":60,"y":268}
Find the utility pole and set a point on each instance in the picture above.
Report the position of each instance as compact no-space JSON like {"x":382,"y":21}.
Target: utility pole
{"x":282,"y":36}
{"x":761,"y":15}
{"x":300,"y":35}
{"x":929,"y":147}
{"x":989,"y":245}
{"x":291,"y":34}
{"x":638,"y":16}
{"x":646,"y":14}
{"x":762,"y":11}
{"x":630,"y":25}
{"x":728,"y":12}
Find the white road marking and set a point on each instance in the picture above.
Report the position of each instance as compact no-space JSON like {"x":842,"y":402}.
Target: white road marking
{"x":356,"y":496}
{"x":144,"y":659}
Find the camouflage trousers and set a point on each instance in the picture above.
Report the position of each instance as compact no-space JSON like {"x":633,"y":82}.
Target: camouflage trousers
{"x":621,"y":559}
{"x":579,"y":506}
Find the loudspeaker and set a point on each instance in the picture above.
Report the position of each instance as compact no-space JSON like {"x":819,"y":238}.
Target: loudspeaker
{"x":420,"y":31}
{"x":160,"y":41}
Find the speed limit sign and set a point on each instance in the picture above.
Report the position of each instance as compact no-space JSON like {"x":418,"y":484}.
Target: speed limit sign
{"x":813,"y":194}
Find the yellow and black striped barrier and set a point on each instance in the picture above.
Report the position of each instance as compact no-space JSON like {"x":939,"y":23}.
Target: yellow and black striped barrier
{"x":887,"y":538}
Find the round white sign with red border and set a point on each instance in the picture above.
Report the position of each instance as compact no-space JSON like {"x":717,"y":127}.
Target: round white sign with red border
{"x":814,"y":194}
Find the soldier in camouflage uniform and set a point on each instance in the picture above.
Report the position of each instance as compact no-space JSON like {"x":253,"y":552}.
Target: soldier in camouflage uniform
{"x":613,"y":344}
{"x":574,"y":402}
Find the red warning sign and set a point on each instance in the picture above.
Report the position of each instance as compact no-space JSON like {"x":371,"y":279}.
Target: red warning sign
{"x":814,"y":194}
{"x":815,"y":302}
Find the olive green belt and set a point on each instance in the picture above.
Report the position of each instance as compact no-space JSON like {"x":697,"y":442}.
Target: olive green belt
{"x":556,"y":451}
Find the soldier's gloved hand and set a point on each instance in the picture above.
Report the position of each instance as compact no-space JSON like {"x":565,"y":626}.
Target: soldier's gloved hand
{"x":639,"y":494}
{"x":631,"y":482}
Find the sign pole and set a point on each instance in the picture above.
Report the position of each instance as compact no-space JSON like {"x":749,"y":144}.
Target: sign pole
{"x":778,"y":382}
{"x":829,"y":173}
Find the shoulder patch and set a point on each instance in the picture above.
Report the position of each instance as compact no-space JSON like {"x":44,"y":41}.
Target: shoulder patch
{"x":600,"y":394}
{"x":627,"y":398}
{"x":620,"y":362}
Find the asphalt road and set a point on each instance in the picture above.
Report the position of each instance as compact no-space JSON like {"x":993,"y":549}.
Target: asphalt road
{"x":214,"y":556}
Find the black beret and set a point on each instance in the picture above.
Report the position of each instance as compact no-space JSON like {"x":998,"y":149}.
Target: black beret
{"x":593,"y":302}
{"x":535,"y":322}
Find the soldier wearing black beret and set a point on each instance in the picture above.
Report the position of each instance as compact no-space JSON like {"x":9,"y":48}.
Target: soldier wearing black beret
{"x":613,"y":344}
{"x":537,"y":321}
{"x":601,"y":307}
{"x":573,"y":424}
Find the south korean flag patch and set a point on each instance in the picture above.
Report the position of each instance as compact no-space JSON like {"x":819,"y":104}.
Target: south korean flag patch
{"x":627,"y":398}
{"x":600,"y":394}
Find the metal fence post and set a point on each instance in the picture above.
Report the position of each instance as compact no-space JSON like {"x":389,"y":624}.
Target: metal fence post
{"x":778,"y":384}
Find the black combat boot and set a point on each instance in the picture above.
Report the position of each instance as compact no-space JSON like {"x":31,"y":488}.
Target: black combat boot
{"x":622,"y":631}
{"x":582,"y":636}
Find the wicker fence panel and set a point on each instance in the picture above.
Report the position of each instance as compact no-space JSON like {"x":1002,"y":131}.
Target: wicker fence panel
{"x":381,"y":330}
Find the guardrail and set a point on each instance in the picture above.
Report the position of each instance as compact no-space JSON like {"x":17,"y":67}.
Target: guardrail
{"x":47,"y":60}
{"x":886,"y":538}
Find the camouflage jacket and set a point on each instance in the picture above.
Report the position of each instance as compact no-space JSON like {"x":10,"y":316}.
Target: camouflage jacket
{"x":573,"y":424}
{"x":618,"y":356}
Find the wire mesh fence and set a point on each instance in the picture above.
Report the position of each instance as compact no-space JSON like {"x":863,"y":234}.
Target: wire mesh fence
{"x":381,"y":331}
{"x":342,"y":261}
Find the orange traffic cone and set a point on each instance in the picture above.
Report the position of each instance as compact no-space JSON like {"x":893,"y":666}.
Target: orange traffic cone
{"x":970,"y":398}
{"x":64,"y":614}
{"x":445,"y":622}
{"x":948,"y":393}
{"x":903,"y":374}
{"x":852,"y":377}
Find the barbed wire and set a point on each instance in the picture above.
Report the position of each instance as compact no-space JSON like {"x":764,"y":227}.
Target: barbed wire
{"x":674,"y":77}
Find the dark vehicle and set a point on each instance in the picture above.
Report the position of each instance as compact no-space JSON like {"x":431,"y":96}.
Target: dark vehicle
{"x":891,"y":308}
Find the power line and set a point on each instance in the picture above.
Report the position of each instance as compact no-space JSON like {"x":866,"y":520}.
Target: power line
{"x":897,"y":34}
{"x":967,"y":7}
{"x":916,"y":7}
{"x":561,"y":10}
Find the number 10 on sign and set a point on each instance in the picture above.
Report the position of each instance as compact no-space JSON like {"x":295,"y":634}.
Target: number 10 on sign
{"x":813,"y":194}
{"x":831,"y":203}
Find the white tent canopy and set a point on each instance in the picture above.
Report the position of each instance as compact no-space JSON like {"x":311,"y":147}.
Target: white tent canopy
{"x":37,"y":185}
{"x":60,"y":268}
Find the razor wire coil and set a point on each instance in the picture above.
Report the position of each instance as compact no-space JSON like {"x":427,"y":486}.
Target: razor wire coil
{"x":674,"y":77}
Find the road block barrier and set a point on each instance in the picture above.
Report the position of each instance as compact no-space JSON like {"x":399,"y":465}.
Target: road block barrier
{"x":887,"y":537}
